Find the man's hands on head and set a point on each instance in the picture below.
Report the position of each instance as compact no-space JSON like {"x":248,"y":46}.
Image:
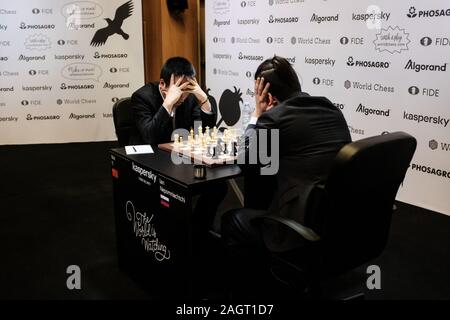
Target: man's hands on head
{"x":199,"y":94}
{"x":263,"y":98}
{"x":174,"y":92}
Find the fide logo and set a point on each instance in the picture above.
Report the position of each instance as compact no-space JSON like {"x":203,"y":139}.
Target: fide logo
{"x":269,"y":40}
{"x":426,"y":41}
{"x":413,"y":90}
{"x":350,"y":62}
{"x":113,"y":70}
{"x":344,"y":41}
{"x":316,"y":81}
{"x":243,"y":4}
{"x":32,"y":72}
{"x":433,"y":144}
{"x":412,"y":13}
{"x":248,"y":74}
{"x":115,"y":99}
{"x":25,"y":102}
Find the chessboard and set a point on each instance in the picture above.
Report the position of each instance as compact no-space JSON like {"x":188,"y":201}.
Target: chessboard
{"x":209,"y":147}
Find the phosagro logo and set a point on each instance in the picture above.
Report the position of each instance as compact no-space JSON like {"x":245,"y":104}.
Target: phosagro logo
{"x":372,"y":111}
{"x":430,"y":170}
{"x":77,"y":87}
{"x":114,"y":26}
{"x":25,"y":26}
{"x":250,"y":57}
{"x":367,"y":64}
{"x":434,"y":13}
{"x":417,"y":67}
{"x":98,"y":55}
{"x":273,"y":19}
{"x":43,"y":117}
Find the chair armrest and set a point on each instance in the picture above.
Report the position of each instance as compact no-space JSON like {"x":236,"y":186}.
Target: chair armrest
{"x":300,"y":229}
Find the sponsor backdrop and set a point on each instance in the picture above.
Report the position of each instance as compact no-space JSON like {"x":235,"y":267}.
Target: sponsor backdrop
{"x":385,"y":64}
{"x":62,"y":66}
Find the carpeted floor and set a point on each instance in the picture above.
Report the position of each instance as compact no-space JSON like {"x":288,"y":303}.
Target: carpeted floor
{"x":56,"y":211}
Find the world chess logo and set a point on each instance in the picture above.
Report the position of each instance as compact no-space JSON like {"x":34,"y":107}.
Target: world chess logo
{"x":426,"y":41}
{"x":270,"y":2}
{"x":412,"y":13}
{"x":294,"y":40}
{"x":347,"y":84}
{"x":350,"y":62}
{"x":433,"y":144}
{"x":233,"y":40}
{"x":344,"y":40}
{"x":59,"y":102}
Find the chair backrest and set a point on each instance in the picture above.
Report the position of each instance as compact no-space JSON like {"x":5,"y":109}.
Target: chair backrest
{"x":361,"y":190}
{"x":123,"y":120}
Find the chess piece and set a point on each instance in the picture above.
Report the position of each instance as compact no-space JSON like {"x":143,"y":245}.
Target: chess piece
{"x":181,"y":140}
{"x":175,"y":139}
{"x":208,"y":151}
{"x":207,"y":132}
{"x":234,"y":149}
{"x":225,"y":148}
{"x":191,"y":134}
{"x":214,"y":154}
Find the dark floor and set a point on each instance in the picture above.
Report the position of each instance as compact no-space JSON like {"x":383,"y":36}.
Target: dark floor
{"x":56,"y":211}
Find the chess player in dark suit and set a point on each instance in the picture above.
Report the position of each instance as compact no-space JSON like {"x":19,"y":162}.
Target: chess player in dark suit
{"x":175,"y":102}
{"x":311,"y":132}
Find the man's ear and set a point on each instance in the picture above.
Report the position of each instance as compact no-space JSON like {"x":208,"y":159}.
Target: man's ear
{"x":271,"y":100}
{"x":162,"y":84}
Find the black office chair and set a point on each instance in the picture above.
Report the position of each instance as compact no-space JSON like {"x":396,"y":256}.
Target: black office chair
{"x":348,"y":219}
{"x":123,"y":121}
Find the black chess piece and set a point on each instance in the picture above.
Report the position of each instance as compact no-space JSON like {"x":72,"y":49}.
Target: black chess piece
{"x":208,"y":151}
{"x":234,"y":149}
{"x":225,"y":148}
{"x":214,"y":154}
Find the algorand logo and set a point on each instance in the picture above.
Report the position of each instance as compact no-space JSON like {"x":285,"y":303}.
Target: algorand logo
{"x":31,"y":58}
{"x":273,"y":19}
{"x":433,"y":13}
{"x":372,"y":111}
{"x":74,"y":116}
{"x":113,"y":86}
{"x":351,"y":62}
{"x":417,"y":67}
{"x":250,"y":57}
{"x":220,"y":23}
{"x":320,"y":19}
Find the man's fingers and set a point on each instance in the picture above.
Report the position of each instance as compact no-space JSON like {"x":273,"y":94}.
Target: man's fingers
{"x":179,"y":81}
{"x":256,"y":85}
{"x":184,"y":85}
{"x":266,"y":89}
{"x":172,"y":79}
{"x":261,"y":86}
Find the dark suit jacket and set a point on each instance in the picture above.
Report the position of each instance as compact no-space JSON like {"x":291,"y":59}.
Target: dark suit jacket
{"x":312,"y":131}
{"x":154,"y":123}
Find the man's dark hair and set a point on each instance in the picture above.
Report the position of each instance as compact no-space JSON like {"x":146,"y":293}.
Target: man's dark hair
{"x":283,"y":79}
{"x":178,"y":66}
